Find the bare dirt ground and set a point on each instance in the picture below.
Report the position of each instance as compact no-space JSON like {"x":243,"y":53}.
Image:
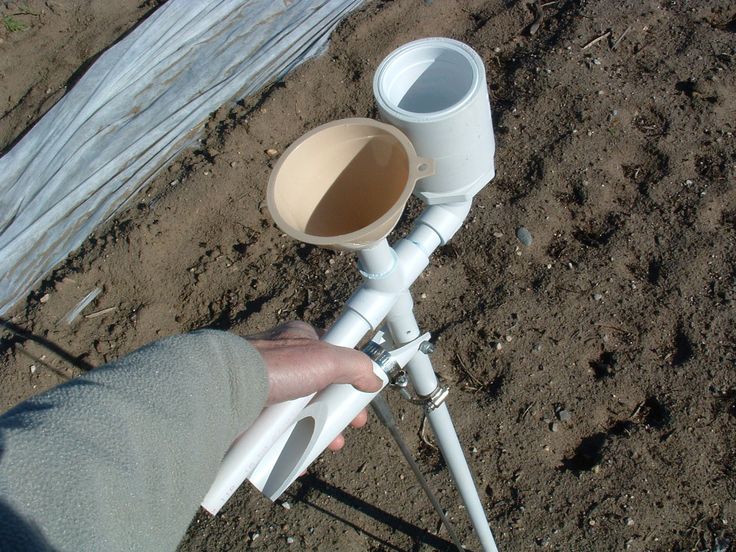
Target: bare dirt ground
{"x":593,"y":372}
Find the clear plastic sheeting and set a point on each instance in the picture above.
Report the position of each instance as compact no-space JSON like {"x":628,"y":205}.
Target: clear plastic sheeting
{"x":136,"y":108}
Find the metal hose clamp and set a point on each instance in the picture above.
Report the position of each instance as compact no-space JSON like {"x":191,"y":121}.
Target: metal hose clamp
{"x":380,"y":356}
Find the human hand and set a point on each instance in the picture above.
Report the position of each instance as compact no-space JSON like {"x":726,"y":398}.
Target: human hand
{"x":298,"y":365}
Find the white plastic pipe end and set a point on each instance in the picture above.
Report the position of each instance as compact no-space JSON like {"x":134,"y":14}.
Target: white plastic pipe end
{"x":435,"y":91}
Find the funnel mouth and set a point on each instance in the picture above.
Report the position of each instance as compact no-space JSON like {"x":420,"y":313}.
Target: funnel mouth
{"x":344,"y":184}
{"x":428,"y":79}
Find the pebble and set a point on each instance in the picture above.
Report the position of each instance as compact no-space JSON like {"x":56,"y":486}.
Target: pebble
{"x":629,"y":521}
{"x":33,"y":368}
{"x":272,"y":152}
{"x":286,"y":506}
{"x":498,"y":234}
{"x":44,"y":299}
{"x":524,"y":236}
{"x":564,"y":415}
{"x":554,"y":427}
{"x":289,"y":540}
{"x":537,"y":347}
{"x":597,"y":296}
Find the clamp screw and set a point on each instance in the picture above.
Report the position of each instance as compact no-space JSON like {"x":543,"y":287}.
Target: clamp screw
{"x":427,"y":347}
{"x":401,"y":379}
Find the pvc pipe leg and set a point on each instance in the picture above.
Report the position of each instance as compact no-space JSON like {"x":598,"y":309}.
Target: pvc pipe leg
{"x":403,"y":327}
{"x":449,"y":444}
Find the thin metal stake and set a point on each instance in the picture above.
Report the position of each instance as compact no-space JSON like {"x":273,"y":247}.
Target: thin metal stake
{"x":383,"y":412}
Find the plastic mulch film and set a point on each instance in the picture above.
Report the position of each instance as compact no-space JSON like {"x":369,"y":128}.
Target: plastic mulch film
{"x":136,"y":108}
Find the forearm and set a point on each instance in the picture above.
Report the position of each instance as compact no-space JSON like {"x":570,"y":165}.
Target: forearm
{"x":120,"y":458}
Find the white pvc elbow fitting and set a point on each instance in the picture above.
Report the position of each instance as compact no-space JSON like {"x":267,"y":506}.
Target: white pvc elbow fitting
{"x":435,"y":91}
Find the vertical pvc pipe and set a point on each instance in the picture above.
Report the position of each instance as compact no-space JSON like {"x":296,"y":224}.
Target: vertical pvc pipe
{"x":403,"y":327}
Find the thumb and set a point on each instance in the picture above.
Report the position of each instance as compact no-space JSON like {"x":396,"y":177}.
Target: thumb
{"x":357,"y":368}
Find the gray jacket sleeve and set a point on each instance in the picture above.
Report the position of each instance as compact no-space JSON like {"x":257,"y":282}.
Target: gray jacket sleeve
{"x":120,"y":458}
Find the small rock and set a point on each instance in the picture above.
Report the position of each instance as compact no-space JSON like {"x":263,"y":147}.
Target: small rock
{"x":289,"y":540}
{"x":509,"y":339}
{"x":498,"y":234}
{"x":629,"y":521}
{"x":524,"y":236}
{"x":286,"y":505}
{"x":537,"y":347}
{"x":564,"y":415}
{"x":44,"y":299}
{"x":554,"y":427}
{"x":272,"y":152}
{"x":597,"y":296}
{"x":497,"y":50}
{"x":33,"y":368}
{"x":498,"y":346}
{"x":254,"y":535}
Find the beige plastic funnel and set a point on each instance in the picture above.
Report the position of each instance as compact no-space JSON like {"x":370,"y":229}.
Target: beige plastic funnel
{"x":344,"y":185}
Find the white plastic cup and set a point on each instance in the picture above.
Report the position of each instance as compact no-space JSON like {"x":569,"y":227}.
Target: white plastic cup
{"x":435,"y":91}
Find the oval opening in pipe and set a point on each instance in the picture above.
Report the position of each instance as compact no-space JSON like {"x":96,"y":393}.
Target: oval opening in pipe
{"x":291,"y":455}
{"x":428,"y":79}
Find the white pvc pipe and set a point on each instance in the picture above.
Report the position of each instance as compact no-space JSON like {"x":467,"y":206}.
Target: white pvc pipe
{"x":319,"y":423}
{"x":435,"y":91}
{"x":403,"y":328}
{"x":252,"y":453}
{"x":255,"y":451}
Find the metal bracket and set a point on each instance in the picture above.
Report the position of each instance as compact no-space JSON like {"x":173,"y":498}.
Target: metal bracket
{"x":392,"y":362}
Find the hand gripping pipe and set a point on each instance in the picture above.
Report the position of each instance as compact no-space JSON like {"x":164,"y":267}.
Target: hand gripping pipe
{"x":254,"y":452}
{"x":433,"y":93}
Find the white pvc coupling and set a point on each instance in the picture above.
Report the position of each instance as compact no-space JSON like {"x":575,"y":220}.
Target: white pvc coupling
{"x":435,"y":91}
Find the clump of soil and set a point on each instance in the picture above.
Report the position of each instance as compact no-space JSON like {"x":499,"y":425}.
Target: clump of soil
{"x":619,"y":159}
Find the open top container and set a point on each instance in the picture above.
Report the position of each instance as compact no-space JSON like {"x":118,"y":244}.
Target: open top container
{"x":435,"y":91}
{"x":344,"y":185}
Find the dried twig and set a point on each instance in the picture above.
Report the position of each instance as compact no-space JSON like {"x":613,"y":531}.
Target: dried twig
{"x":597,"y":40}
{"x":464,"y":369}
{"x":538,"y":17}
{"x":423,"y":436}
{"x":100,"y":312}
{"x":523,"y":414}
{"x":619,"y":39}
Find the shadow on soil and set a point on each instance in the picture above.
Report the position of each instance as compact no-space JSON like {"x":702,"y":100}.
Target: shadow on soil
{"x":309,"y":485}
